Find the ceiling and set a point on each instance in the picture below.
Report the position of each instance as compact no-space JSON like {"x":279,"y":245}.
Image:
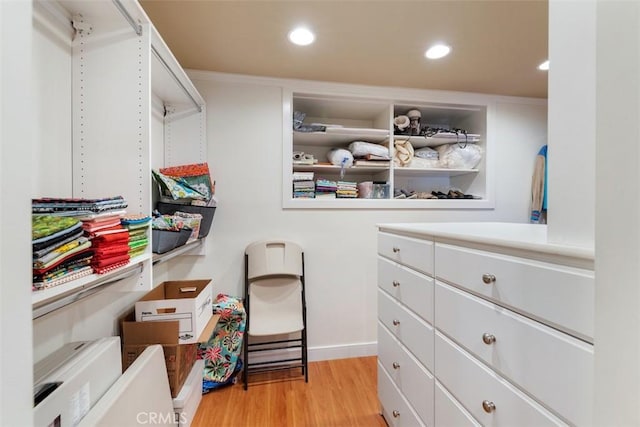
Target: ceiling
{"x":496,"y":45}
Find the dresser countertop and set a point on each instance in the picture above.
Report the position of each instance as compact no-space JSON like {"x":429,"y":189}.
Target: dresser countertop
{"x":527,"y":237}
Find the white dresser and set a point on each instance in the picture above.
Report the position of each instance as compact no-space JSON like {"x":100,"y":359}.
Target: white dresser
{"x":483,"y":324}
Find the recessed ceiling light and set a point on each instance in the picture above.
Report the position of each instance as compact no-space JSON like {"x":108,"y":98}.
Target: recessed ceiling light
{"x":437,"y":51}
{"x":301,"y":36}
{"x":544,"y":66}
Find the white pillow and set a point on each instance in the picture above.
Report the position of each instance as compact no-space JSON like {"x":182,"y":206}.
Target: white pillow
{"x":361,"y":149}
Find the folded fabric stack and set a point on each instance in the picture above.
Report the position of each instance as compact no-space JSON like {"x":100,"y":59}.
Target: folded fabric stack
{"x":196,"y":176}
{"x":86,"y":208}
{"x":303,"y":185}
{"x":347,"y":190}
{"x":137,"y":226}
{"x":303,"y":190}
{"x":98,"y":228}
{"x":60,"y":251}
{"x":110,"y":246}
{"x":325,"y":189}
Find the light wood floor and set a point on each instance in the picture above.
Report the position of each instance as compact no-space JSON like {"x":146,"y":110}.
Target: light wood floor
{"x":340,"y":393}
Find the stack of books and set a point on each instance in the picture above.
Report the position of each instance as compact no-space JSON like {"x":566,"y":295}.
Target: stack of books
{"x":303,"y":185}
{"x":347,"y":190}
{"x":326,"y":189}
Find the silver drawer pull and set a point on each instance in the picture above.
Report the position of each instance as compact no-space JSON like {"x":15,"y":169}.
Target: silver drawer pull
{"x":488,"y":406}
{"x":396,"y":283}
{"x":396,"y":322}
{"x":396,"y":365}
{"x":396,"y":249}
{"x":488,"y":338}
{"x":396,"y":414}
{"x":488,"y":278}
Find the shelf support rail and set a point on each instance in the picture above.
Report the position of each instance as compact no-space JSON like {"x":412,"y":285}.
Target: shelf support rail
{"x":64,"y":300}
{"x":136,"y":26}
{"x":158,"y":258}
{"x":175,"y":77}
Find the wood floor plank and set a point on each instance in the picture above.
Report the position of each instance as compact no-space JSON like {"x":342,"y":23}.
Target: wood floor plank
{"x":340,"y":393}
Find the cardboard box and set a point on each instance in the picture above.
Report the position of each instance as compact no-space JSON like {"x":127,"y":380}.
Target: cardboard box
{"x":179,"y":358}
{"x":188,"y":301}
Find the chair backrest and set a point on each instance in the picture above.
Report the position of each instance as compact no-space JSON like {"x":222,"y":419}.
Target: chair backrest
{"x":272,"y":258}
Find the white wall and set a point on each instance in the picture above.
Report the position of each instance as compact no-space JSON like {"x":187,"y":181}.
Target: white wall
{"x":245,"y":156}
{"x":617,"y":330}
{"x":515,"y":155}
{"x":572,"y":100}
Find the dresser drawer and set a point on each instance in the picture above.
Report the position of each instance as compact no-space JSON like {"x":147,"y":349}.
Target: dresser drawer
{"x":395,"y":409}
{"x":555,"y":368}
{"x":411,"y":288}
{"x":558,"y":295}
{"x":477,"y":387}
{"x":413,"y":332}
{"x":414,"y":253}
{"x":449,"y":412}
{"x":411,"y":378}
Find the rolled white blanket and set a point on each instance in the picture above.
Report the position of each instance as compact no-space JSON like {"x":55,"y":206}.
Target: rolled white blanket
{"x":340,"y":157}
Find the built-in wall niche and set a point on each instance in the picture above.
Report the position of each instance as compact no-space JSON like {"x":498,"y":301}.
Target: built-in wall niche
{"x":335,"y":121}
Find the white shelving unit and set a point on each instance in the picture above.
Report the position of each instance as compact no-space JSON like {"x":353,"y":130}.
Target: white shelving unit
{"x":133,"y":108}
{"x":361,"y":117}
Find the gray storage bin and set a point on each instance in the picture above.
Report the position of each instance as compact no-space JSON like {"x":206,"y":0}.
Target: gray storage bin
{"x":163,"y":240}
{"x":207,"y":212}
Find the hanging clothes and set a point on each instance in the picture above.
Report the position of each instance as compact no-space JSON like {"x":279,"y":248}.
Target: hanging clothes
{"x":539,"y":188}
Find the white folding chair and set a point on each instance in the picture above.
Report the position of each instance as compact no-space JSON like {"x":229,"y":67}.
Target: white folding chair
{"x":275,"y":306}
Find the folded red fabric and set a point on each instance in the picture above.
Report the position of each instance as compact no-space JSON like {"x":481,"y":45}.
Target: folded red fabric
{"x":105,"y":262}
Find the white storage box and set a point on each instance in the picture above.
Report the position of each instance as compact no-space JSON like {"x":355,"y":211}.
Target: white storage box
{"x":188,"y":301}
{"x":186,"y":403}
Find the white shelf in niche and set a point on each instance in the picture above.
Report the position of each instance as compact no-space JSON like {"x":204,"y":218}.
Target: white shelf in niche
{"x":340,"y":136}
{"x":432,"y":171}
{"x":422,"y":141}
{"x":332,"y":169}
{"x":387,"y":204}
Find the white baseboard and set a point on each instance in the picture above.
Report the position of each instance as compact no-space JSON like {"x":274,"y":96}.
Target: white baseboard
{"x":343,"y":351}
{"x":321,"y":353}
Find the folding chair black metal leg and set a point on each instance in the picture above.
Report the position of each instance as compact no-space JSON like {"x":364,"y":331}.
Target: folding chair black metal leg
{"x":305,"y":367}
{"x":245,"y":372}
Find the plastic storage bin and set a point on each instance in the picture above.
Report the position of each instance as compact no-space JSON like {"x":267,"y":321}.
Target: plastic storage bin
{"x":183,"y":237}
{"x":380,"y":190}
{"x":163,"y":240}
{"x":207,"y":213}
